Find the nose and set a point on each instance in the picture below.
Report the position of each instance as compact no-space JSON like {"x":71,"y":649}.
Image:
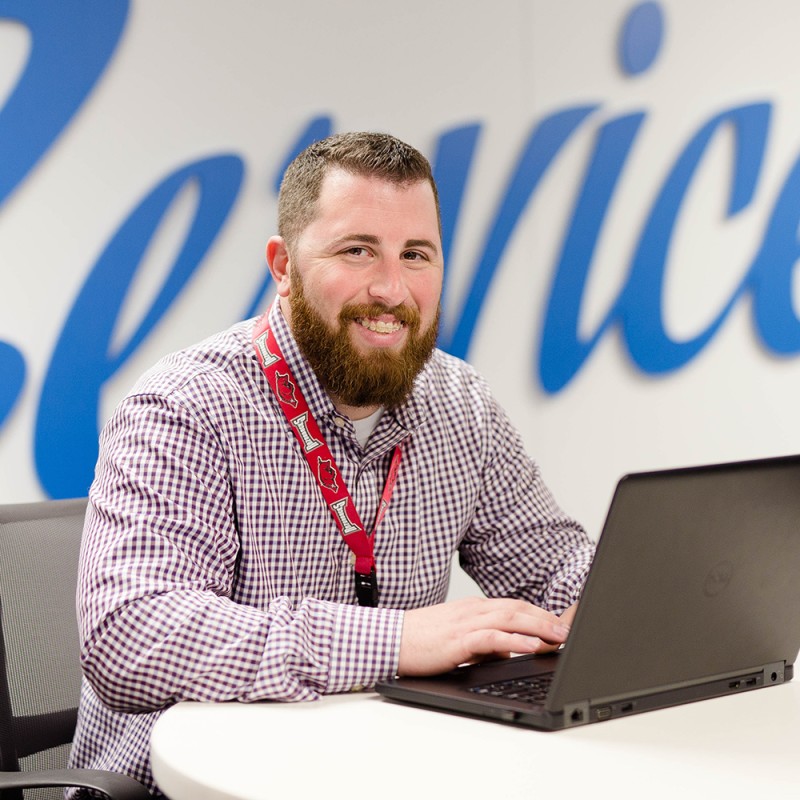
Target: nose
{"x":387,"y":282}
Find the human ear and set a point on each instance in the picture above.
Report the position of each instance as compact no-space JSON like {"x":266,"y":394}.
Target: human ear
{"x":278,"y":261}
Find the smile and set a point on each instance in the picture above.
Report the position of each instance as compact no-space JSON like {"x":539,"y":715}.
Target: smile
{"x":379,"y":326}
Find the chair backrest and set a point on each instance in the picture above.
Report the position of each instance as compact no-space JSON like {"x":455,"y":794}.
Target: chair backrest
{"x":40,"y":673}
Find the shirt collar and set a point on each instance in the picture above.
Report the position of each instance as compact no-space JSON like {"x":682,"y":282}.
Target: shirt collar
{"x":319,"y":402}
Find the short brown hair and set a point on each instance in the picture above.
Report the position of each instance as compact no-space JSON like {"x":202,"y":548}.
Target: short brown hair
{"x":370,"y":154}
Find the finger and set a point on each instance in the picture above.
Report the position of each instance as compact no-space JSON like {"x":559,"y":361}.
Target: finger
{"x":524,"y":619}
{"x":548,"y":648}
{"x":496,"y":643}
{"x":566,"y":620}
{"x":569,"y":615}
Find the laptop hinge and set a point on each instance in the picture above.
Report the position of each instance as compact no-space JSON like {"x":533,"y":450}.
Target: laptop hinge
{"x":770,"y":674}
{"x":579,"y":712}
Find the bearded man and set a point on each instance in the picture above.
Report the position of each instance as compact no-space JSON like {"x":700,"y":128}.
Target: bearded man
{"x":275,"y":510}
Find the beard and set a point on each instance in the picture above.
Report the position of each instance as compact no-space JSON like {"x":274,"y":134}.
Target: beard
{"x":379,"y":378}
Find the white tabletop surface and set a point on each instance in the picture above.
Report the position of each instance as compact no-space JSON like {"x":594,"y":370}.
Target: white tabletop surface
{"x":744,"y":746}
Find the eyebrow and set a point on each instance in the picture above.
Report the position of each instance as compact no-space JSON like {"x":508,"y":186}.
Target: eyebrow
{"x":369,"y":238}
{"x":422,"y":243}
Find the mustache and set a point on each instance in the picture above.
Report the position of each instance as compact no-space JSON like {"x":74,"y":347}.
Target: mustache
{"x":402,"y":313}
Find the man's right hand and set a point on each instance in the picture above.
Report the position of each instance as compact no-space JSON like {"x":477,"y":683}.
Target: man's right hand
{"x":438,"y":638}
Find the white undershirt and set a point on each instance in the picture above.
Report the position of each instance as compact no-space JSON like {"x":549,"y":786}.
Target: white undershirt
{"x":364,"y":427}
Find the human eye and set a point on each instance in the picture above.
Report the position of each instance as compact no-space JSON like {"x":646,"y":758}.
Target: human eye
{"x":420,"y":252}
{"x":356,"y":252}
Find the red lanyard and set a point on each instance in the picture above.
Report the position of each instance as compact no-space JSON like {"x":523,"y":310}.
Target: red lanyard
{"x":323,"y":467}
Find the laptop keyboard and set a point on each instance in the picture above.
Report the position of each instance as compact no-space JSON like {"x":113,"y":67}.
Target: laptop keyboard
{"x":527,"y":690}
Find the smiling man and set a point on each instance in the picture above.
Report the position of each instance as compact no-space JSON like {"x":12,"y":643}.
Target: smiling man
{"x":362,"y":296}
{"x":276,"y":509}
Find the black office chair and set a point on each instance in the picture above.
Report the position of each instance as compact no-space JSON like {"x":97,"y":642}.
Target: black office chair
{"x":39,"y":670}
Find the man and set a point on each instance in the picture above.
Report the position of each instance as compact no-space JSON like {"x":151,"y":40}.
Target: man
{"x":275,"y":510}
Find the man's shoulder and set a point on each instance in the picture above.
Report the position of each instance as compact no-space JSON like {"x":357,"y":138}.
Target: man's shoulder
{"x":451,"y":381}
{"x":214,"y":360}
{"x":443,"y":368}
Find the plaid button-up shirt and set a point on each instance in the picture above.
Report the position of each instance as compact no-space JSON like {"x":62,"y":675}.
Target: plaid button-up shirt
{"x":211,"y":569}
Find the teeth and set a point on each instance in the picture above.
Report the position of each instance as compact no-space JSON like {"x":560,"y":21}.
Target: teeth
{"x":379,"y":326}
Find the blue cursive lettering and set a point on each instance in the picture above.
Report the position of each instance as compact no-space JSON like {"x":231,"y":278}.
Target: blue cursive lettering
{"x":72,"y":44}
{"x":67,"y":421}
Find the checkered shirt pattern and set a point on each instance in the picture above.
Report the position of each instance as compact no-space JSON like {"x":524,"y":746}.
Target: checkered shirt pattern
{"x":212,"y":570}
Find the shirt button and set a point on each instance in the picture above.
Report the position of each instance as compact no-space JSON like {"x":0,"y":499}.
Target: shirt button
{"x":339,"y":422}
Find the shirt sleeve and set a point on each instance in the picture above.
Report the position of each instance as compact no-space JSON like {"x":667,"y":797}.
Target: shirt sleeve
{"x":521,"y":544}
{"x":157,"y":574}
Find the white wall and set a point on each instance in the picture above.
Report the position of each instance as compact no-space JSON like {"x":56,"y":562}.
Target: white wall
{"x":191,"y":80}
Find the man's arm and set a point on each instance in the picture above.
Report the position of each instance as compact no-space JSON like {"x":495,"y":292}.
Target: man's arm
{"x":159,"y":563}
{"x":521,"y":544}
{"x":524,"y":552}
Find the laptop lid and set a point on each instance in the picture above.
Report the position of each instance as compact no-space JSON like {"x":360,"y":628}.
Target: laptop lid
{"x":696,"y":582}
{"x":697,"y":574}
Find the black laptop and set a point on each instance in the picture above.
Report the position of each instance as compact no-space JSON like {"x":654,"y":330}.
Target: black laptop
{"x":694,"y":593}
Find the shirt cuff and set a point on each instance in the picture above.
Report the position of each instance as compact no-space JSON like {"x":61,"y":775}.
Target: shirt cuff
{"x":566,"y":585}
{"x":365,"y":647}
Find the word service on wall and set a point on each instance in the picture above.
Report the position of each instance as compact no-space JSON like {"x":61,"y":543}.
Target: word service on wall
{"x":71,"y":47}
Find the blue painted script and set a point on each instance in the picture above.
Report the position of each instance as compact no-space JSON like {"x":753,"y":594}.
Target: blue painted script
{"x":72,"y":45}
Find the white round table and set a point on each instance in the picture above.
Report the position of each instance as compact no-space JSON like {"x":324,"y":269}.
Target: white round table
{"x":361,"y":746}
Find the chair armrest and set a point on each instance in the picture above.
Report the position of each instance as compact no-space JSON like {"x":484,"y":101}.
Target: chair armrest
{"x":114,"y":784}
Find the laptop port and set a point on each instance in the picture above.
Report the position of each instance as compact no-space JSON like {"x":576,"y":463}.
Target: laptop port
{"x":604,"y":712}
{"x":577,"y":713}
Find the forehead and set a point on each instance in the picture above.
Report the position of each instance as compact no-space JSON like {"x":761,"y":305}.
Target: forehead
{"x":348,"y":199}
